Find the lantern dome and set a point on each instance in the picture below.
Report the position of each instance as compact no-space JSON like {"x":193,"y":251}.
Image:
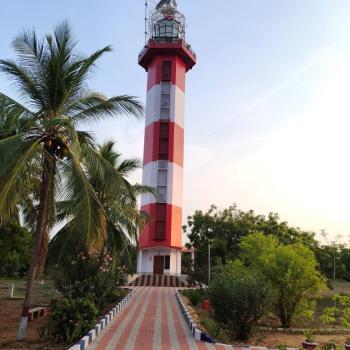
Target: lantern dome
{"x":166,"y":23}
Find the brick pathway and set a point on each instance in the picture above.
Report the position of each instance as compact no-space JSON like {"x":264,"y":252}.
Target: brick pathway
{"x":151,"y":321}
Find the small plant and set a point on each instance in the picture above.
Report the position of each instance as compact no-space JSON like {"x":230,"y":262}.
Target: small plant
{"x":331,"y":345}
{"x":309,"y":334}
{"x":281,"y":347}
{"x":309,"y":343}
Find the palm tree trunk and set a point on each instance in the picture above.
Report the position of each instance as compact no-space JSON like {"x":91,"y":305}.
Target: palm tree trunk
{"x":41,"y":227}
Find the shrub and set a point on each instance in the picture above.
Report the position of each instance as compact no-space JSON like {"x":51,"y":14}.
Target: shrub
{"x":331,"y":345}
{"x":70,"y":319}
{"x":116,"y":296}
{"x":193,"y":295}
{"x":340,"y":313}
{"x":92,"y":276}
{"x":240,"y":298}
{"x":215,"y":330}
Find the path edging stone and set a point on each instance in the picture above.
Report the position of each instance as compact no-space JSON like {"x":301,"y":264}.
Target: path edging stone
{"x":83,"y":343}
{"x":197,"y":333}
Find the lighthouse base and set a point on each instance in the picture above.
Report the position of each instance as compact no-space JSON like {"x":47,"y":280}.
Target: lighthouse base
{"x":159,"y":260}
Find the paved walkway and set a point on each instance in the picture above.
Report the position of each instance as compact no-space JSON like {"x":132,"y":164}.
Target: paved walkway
{"x":151,"y":321}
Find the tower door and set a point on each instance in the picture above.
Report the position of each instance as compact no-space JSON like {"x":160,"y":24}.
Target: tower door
{"x":158,"y":265}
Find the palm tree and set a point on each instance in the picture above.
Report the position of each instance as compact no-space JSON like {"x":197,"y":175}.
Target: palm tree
{"x":52,"y":81}
{"x":12,"y":122}
{"x":123,"y":220}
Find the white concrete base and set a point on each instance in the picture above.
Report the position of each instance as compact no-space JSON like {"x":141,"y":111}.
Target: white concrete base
{"x":145,"y":260}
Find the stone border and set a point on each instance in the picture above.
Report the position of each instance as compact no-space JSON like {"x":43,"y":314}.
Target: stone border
{"x":202,"y":336}
{"x":317,"y":331}
{"x":92,"y":335}
{"x":196,"y":332}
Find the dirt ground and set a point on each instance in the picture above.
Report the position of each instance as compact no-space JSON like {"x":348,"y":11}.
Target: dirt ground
{"x":10,"y":311}
{"x":294,"y":340}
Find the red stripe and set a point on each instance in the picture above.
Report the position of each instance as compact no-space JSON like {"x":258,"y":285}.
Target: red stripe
{"x":176,"y":143}
{"x":177,"y":75}
{"x":173,"y":235}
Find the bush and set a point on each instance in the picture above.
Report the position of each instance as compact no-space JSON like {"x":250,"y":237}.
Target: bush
{"x":70,"y":319}
{"x":193,"y":295}
{"x":93,"y":276}
{"x":215,"y":330}
{"x":240,"y":298}
{"x":116,"y":296}
{"x":339,"y":313}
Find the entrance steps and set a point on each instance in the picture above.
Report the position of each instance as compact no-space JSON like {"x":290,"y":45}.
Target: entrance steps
{"x":157,"y":281}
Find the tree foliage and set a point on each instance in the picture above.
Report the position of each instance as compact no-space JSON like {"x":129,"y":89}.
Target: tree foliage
{"x":52,"y":81}
{"x":339,"y":313}
{"x":15,"y":244}
{"x":291,"y":269}
{"x":122,"y":218}
{"x":226,"y":228}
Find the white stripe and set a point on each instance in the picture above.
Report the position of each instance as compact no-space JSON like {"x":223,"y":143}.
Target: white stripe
{"x":174,"y":183}
{"x":177,"y":105}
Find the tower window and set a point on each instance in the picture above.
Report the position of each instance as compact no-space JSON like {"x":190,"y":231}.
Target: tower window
{"x":160,"y":229}
{"x":163,"y":151}
{"x":166,"y":71}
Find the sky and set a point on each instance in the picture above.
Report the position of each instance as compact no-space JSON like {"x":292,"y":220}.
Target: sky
{"x":267,"y":105}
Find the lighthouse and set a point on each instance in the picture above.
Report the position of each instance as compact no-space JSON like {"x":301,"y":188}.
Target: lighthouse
{"x":166,"y":57}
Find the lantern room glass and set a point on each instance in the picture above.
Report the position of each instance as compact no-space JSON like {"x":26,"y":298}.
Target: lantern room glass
{"x":167,"y":30}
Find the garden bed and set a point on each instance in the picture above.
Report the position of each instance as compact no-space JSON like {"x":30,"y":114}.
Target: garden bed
{"x":273,"y":338}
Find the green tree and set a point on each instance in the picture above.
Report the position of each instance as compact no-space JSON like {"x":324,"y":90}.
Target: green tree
{"x":52,"y":80}
{"x":291,"y":270}
{"x":240,"y":298}
{"x":15,"y":244}
{"x":122,"y":218}
{"x":226,"y":228}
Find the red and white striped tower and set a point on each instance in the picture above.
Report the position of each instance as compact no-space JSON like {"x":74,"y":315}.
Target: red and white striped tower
{"x":166,"y":57}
